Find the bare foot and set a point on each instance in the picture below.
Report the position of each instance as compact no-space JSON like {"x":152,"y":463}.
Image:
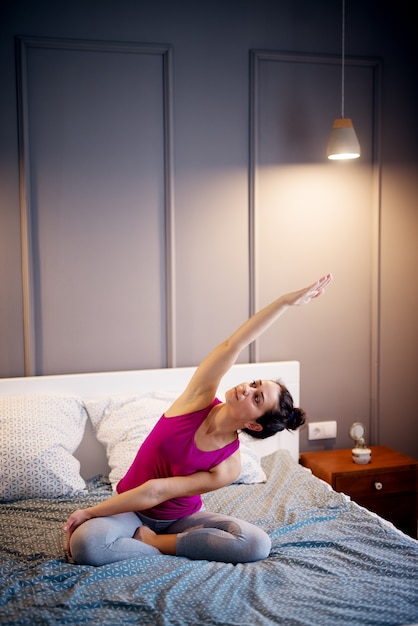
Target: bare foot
{"x":166,"y":544}
{"x":145,"y":534}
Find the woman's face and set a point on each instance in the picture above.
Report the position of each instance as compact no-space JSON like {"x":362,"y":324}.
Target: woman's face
{"x":249,"y":401}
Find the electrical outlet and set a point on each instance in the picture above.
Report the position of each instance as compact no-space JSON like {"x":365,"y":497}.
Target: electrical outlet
{"x":322,"y":430}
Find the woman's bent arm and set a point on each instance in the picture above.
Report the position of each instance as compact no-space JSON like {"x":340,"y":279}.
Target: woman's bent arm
{"x":158,"y":490}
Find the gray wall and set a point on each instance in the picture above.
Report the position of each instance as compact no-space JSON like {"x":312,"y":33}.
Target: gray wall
{"x":172,"y":178}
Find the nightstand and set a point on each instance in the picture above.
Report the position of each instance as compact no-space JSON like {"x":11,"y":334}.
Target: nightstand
{"x":387,"y":485}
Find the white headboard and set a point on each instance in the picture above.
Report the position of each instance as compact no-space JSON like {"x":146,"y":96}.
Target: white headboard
{"x":91,"y":453}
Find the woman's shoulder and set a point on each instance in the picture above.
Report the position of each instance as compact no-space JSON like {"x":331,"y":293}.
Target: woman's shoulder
{"x":181,"y":408}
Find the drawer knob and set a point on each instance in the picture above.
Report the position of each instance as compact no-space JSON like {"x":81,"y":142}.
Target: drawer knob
{"x":378,"y":486}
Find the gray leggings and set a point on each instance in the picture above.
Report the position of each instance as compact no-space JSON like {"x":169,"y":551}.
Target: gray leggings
{"x":203,"y":535}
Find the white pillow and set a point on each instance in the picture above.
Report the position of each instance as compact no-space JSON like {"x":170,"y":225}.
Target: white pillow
{"x":38,"y":434}
{"x":122,"y":422}
{"x":251,"y":470}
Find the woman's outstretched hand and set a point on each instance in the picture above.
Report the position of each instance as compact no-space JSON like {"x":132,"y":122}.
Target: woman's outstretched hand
{"x":303,"y":296}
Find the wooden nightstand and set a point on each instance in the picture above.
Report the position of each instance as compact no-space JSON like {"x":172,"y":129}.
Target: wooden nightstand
{"x":387,"y":485}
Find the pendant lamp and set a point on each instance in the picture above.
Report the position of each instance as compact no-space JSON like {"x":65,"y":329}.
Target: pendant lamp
{"x":343,"y":143}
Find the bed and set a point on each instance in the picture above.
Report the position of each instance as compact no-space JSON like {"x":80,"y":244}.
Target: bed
{"x":64,"y":442}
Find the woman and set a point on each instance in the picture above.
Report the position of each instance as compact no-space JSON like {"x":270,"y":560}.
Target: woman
{"x":193,"y":449}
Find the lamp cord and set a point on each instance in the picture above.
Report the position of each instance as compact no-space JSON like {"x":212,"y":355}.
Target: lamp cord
{"x":342,"y":57}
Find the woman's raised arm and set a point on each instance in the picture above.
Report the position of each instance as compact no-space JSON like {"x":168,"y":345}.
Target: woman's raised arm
{"x":206,"y":378}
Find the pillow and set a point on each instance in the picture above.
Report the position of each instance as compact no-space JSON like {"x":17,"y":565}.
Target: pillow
{"x":38,"y":434}
{"x":251,"y":470}
{"x":121,"y":424}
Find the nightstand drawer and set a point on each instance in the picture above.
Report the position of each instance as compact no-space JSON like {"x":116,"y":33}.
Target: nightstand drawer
{"x":377,"y":484}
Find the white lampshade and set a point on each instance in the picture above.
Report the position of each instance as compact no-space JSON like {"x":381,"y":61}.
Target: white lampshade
{"x":343,"y":142}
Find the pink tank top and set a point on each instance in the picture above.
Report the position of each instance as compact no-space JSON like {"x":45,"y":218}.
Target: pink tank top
{"x":170,"y":450}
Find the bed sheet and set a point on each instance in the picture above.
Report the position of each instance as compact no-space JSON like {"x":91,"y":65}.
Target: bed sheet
{"x":332,"y":562}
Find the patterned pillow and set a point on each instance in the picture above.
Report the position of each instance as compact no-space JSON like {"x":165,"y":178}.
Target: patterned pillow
{"x":121,"y":424}
{"x":38,"y":434}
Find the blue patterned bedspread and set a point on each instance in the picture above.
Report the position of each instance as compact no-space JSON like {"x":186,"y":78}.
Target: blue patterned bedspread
{"x":331,"y":563}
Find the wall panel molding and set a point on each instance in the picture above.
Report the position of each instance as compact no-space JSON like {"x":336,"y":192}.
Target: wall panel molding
{"x":26,"y":47}
{"x":307,"y":91}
